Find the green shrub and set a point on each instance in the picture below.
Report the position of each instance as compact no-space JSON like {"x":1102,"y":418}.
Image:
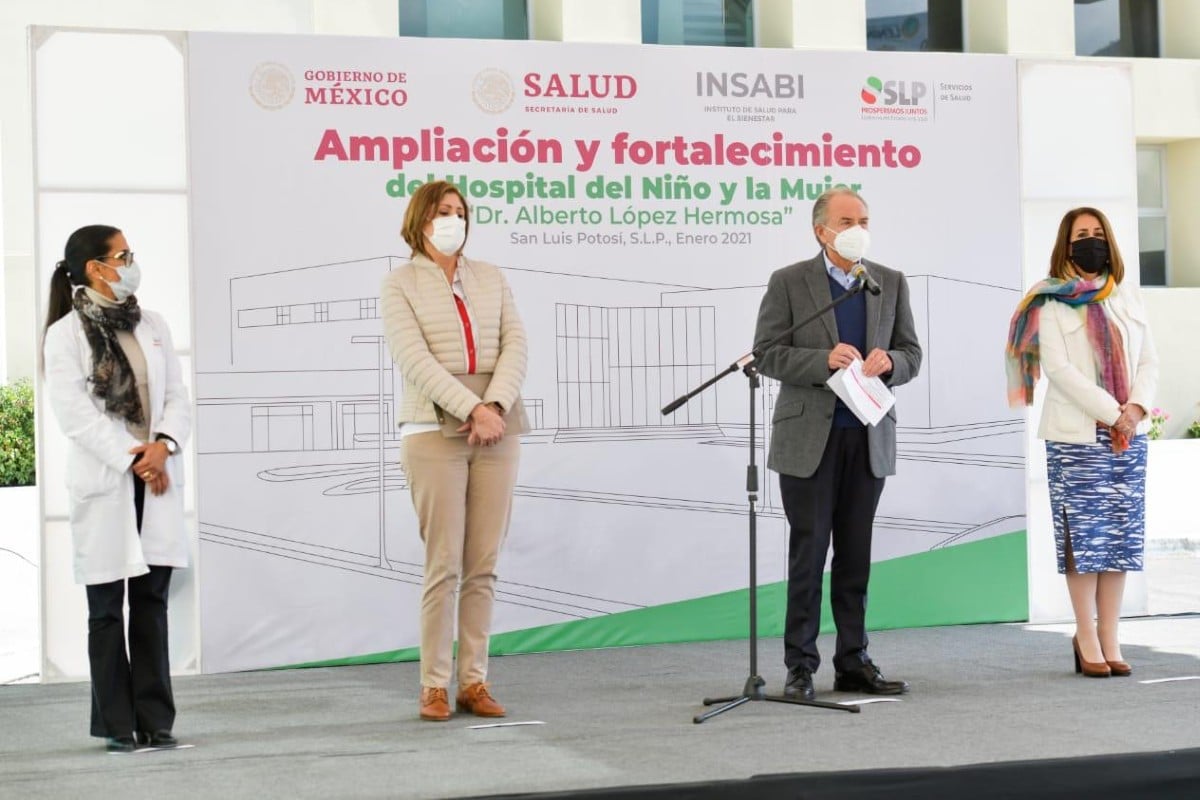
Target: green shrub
{"x":16,"y":434}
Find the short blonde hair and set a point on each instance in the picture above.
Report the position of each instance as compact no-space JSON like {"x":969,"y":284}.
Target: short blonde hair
{"x":421,"y":209}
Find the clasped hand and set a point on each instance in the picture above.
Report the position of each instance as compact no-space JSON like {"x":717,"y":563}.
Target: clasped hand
{"x":1131,"y":415}
{"x":151,"y":465}
{"x":484,"y":426}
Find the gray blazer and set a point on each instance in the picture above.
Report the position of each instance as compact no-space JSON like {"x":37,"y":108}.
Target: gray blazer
{"x":804,"y":409}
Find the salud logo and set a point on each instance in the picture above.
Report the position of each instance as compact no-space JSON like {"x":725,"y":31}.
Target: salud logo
{"x":492,"y":90}
{"x":272,"y":85}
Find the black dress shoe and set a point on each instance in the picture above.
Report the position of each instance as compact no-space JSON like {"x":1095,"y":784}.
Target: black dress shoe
{"x":159,"y":739}
{"x":868,"y":680}
{"x":120,"y":744}
{"x":799,"y":685}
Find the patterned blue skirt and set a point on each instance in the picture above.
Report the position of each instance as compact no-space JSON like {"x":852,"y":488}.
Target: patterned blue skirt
{"x":1099,"y":497}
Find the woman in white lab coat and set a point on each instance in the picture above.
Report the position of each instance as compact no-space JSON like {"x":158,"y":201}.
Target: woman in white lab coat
{"x":116,"y":388}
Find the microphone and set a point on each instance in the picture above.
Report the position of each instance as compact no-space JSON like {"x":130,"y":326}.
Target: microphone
{"x":860,"y":272}
{"x":674,"y":404}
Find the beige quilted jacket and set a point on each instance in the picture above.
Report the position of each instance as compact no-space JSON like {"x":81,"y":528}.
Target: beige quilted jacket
{"x":420,"y":320}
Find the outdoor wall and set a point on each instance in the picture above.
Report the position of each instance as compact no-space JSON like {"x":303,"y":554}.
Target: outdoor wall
{"x":1173,"y":315}
{"x":18,"y":326}
{"x":1183,"y":198}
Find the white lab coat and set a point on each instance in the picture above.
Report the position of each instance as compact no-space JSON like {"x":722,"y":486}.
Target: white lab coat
{"x":99,"y":481}
{"x":1075,"y":402}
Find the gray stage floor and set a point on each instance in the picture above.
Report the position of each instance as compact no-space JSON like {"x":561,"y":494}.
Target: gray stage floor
{"x":618,"y":717}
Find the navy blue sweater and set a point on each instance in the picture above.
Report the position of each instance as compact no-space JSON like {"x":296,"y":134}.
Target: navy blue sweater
{"x":852,"y":329}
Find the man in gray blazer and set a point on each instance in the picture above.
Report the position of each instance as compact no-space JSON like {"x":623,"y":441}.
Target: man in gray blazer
{"x":831,"y":466}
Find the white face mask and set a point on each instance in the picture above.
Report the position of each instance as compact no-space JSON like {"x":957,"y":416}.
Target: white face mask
{"x":128,"y":280}
{"x":449,"y":233}
{"x":852,"y":243}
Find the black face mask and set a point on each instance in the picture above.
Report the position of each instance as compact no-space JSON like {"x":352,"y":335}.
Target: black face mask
{"x":1090,"y":255}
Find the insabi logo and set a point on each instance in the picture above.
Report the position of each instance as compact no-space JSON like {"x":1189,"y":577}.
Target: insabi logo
{"x":750,"y":85}
{"x":272,"y":85}
{"x":492,"y":90}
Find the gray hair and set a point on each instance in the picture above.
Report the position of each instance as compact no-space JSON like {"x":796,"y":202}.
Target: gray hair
{"x":820,"y":212}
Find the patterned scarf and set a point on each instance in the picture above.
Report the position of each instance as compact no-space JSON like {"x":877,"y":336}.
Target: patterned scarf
{"x":112,"y":378}
{"x":1023,"y":353}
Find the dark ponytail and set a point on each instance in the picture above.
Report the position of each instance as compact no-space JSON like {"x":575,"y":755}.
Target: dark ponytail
{"x":87,"y":243}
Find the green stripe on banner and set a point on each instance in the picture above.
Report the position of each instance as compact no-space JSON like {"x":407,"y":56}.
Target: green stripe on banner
{"x":984,"y":581}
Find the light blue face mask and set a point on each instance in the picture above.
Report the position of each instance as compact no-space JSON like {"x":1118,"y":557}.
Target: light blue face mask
{"x":129,"y":279}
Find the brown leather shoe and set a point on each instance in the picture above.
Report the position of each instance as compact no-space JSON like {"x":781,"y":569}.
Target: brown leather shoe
{"x":475,"y":699}
{"x":435,"y":704}
{"x":1090,"y":669}
{"x":1119,"y":669}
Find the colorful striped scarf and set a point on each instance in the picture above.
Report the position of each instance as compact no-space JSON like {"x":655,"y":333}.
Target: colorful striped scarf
{"x":1023,"y":353}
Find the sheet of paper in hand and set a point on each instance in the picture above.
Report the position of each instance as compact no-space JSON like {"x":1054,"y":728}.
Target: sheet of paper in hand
{"x":868,"y":398}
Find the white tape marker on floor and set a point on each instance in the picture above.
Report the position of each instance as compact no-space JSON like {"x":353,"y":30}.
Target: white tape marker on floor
{"x":864,"y":701}
{"x":1172,"y":680}
{"x":505,"y":724}
{"x":141,"y":750}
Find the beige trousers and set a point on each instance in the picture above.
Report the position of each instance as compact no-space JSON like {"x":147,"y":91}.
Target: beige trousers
{"x":463,"y":498}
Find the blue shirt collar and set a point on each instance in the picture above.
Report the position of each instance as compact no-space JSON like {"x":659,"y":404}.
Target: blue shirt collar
{"x":844,"y":279}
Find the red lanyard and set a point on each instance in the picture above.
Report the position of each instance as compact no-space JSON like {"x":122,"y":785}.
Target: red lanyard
{"x":467,"y":332}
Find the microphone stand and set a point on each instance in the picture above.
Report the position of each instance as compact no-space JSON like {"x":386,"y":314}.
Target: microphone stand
{"x":748,"y":365}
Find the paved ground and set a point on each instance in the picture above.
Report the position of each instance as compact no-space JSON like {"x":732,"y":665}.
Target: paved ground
{"x":614,"y":717}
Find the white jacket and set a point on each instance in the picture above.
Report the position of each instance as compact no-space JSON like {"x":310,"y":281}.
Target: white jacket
{"x":99,"y":481}
{"x":424,"y":332}
{"x":1075,"y":402}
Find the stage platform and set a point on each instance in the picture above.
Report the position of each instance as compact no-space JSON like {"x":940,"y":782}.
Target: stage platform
{"x":981,"y":695}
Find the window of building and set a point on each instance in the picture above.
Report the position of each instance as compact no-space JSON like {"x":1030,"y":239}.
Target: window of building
{"x":465,"y":19}
{"x":726,"y":23}
{"x":931,"y":25}
{"x":1125,"y":28}
{"x":1152,"y":215}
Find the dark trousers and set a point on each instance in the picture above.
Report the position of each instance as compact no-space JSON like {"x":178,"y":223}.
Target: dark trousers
{"x":839,"y":499}
{"x":130,"y":692}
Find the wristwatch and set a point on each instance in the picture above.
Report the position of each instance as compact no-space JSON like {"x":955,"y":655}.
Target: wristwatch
{"x":172,"y":445}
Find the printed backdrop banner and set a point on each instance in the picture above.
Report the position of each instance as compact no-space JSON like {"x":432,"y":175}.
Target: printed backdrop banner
{"x":638,"y":198}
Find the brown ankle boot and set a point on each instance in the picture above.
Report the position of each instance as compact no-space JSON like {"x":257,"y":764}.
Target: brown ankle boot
{"x":435,"y":704}
{"x":474,"y":699}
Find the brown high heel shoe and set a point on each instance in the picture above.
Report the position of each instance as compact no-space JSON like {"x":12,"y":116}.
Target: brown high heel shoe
{"x":1119,"y":669}
{"x":1089,"y":669}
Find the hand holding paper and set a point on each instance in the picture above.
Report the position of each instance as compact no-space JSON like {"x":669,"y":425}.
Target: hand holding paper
{"x":868,"y":398}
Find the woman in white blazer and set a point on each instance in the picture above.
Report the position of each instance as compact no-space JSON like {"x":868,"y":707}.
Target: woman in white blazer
{"x":455,"y":334}
{"x":116,"y":388}
{"x":1085,"y":329}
